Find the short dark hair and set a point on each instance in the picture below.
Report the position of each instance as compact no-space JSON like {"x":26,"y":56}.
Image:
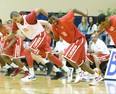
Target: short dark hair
{"x":23,"y":13}
{"x":50,"y":15}
{"x":101,"y":18}
{"x":13,"y":14}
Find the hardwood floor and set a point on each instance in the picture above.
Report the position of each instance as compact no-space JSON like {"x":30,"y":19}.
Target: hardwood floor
{"x":43,"y":85}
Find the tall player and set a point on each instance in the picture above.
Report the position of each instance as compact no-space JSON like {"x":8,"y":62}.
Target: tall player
{"x":75,"y":53}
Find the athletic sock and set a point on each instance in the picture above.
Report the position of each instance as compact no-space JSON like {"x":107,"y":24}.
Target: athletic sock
{"x":14,"y":65}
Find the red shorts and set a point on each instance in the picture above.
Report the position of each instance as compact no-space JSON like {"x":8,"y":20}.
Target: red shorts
{"x":101,"y":57}
{"x":41,"y":44}
{"x":76,"y":51}
{"x":16,"y":50}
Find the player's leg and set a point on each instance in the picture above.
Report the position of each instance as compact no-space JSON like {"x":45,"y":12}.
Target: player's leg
{"x":17,"y":69}
{"x":97,"y":77}
{"x":59,"y":63}
{"x":48,"y":64}
{"x":22,"y":67}
{"x":6,"y":66}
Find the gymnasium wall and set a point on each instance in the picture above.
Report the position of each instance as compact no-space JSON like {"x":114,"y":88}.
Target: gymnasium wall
{"x":6,"y":6}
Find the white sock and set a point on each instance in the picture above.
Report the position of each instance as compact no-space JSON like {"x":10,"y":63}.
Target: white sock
{"x":78,"y":70}
{"x":31,"y":71}
{"x":65,"y":68}
{"x":6,"y":66}
{"x":24,"y":68}
{"x":64,"y":62}
{"x":95,"y":74}
{"x":14,"y":65}
{"x":55,"y":69}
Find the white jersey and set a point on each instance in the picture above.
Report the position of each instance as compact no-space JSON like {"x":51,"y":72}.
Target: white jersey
{"x":30,"y":31}
{"x":100,"y":46}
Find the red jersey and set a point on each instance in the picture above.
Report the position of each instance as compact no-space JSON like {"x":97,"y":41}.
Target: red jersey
{"x":67,"y":29}
{"x":112,"y":28}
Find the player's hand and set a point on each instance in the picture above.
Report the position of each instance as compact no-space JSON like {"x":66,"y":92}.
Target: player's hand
{"x":86,"y":12}
{"x":4,"y":38}
{"x":47,"y":29}
{"x":90,"y":42}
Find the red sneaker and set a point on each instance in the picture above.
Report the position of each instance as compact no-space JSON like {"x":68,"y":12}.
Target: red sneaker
{"x":16,"y":71}
{"x":26,"y":74}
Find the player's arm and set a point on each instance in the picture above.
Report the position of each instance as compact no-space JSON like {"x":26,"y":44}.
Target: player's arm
{"x":89,"y":48}
{"x":80,"y":13}
{"x":10,"y":35}
{"x":100,"y":30}
{"x":48,"y":29}
{"x":42,"y":11}
{"x":53,"y":36}
{"x":13,"y":41}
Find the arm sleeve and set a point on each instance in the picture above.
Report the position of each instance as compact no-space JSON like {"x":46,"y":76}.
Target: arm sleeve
{"x":31,"y":18}
{"x":68,"y":17}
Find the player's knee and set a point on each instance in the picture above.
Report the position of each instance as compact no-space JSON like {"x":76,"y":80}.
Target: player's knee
{"x":49,"y":55}
{"x":26,"y":52}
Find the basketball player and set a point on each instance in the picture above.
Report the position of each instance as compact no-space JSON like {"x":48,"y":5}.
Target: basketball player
{"x":107,"y":23}
{"x":12,"y":48}
{"x":75,"y":53}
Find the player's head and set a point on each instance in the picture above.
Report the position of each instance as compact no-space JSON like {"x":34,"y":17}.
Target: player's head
{"x":52,"y":19}
{"x":15,"y":16}
{"x":102,"y":19}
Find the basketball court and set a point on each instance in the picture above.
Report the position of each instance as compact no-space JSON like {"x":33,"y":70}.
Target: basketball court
{"x":43,"y":85}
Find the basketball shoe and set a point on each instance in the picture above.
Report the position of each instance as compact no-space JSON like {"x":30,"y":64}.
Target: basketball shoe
{"x":26,"y":74}
{"x":49,"y":66}
{"x":28,"y":78}
{"x":16,"y":71}
{"x":57,"y":76}
{"x":9,"y":71}
{"x":79,"y":76}
{"x":70,"y":74}
{"x":96,"y":80}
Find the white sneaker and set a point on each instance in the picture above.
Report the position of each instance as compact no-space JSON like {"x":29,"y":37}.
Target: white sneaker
{"x":96,"y":80}
{"x":28,"y":78}
{"x":70,"y":74}
{"x":79,"y":76}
